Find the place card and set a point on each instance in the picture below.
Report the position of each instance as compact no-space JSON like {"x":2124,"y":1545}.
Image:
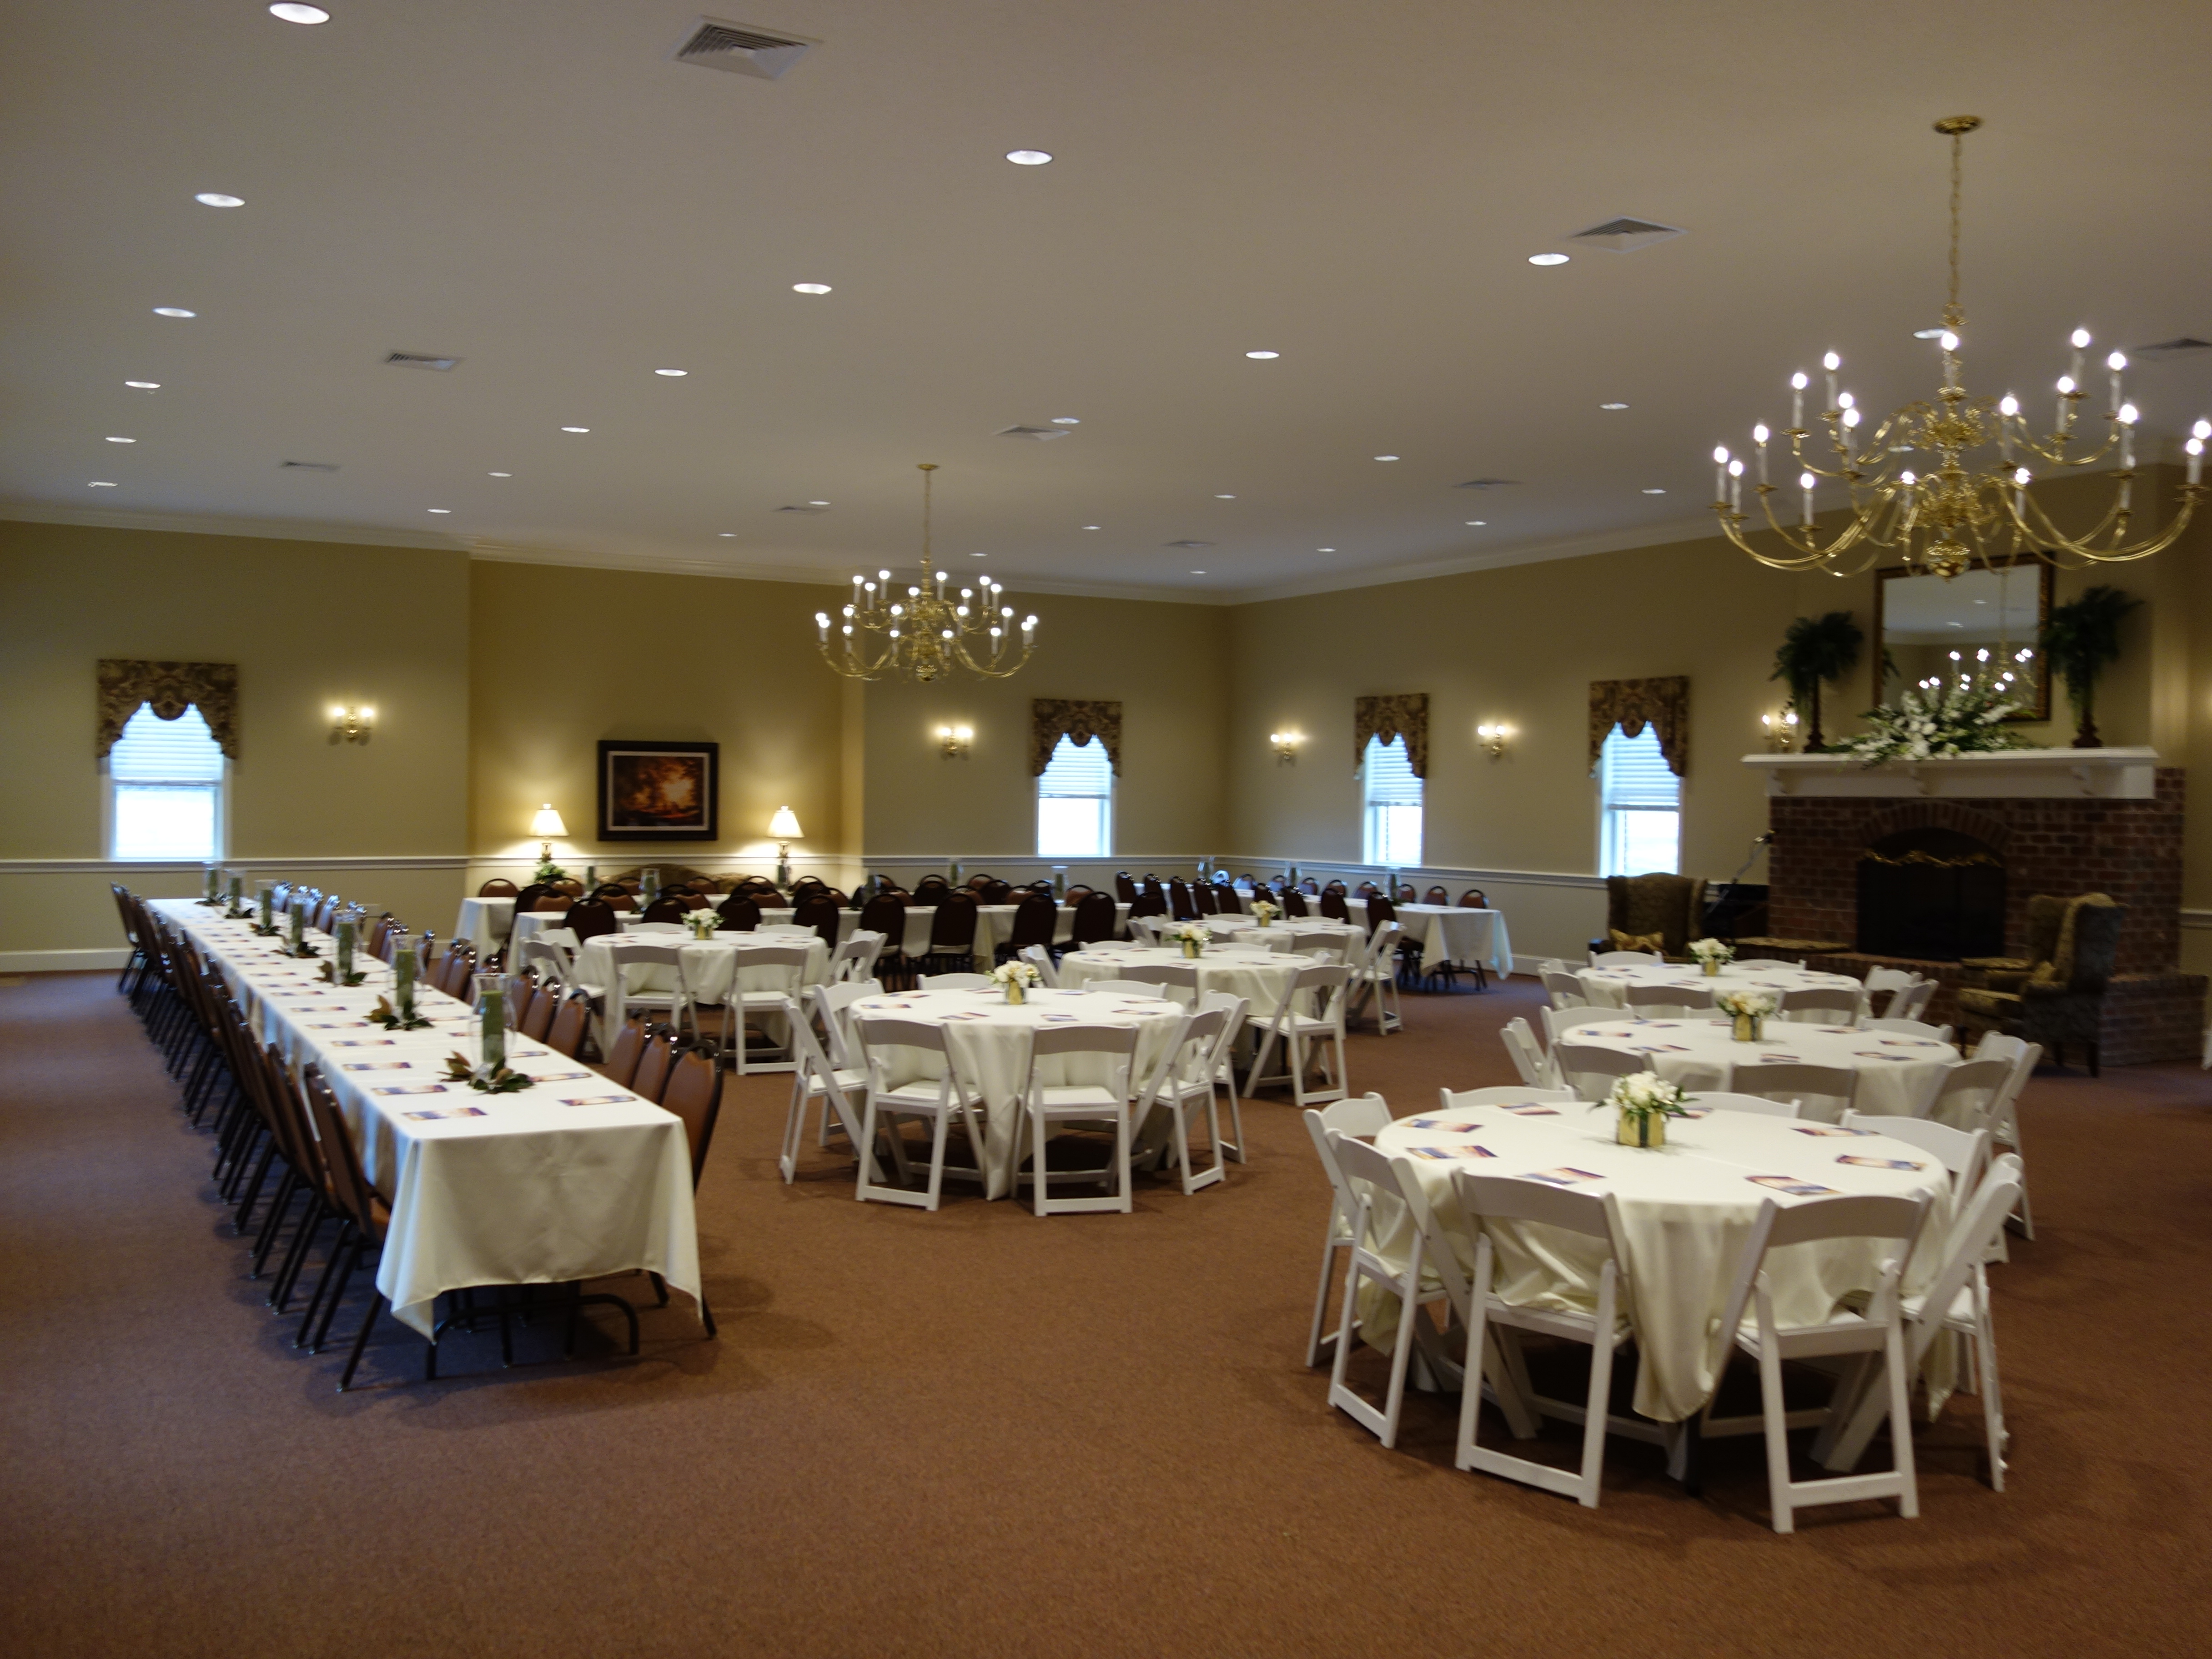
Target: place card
{"x":377,"y":1065}
{"x":1875,"y":1053}
{"x":1827,"y":1129}
{"x":558,"y":1077}
{"x":337,"y":1025}
{"x":411,"y":1089}
{"x":1532,"y":1110}
{"x":448,"y":1111}
{"x":1438,"y":1123}
{"x":598,"y":1100}
{"x":1879,"y":1163}
{"x":1791,"y":1060}
{"x":1444,"y":1154}
{"x":1566,"y":1176}
{"x":362,"y":1042}
{"x":1792,"y":1185}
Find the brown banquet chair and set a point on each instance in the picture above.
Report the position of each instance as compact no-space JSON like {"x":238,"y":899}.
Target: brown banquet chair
{"x":497,"y":887}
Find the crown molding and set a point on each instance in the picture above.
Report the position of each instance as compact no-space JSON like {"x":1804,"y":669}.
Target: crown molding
{"x":208,"y":524}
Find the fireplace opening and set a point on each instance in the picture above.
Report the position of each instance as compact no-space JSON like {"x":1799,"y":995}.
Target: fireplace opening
{"x":1934,"y":894}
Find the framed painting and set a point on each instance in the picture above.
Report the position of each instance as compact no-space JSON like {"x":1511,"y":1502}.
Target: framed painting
{"x":659,"y":790}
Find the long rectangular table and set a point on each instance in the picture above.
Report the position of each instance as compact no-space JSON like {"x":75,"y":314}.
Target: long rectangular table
{"x":574,"y":1178}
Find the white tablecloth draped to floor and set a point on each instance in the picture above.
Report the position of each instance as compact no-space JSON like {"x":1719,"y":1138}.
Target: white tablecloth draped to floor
{"x":1894,"y":1073}
{"x":486,"y":924}
{"x":1444,"y":933}
{"x":1607,"y":987}
{"x":709,"y":967}
{"x":1262,"y":978}
{"x":575,"y":1178}
{"x":1688,"y":1210}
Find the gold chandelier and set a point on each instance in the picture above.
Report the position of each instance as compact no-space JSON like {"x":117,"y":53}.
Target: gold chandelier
{"x":928,"y":633}
{"x":1947,"y":515}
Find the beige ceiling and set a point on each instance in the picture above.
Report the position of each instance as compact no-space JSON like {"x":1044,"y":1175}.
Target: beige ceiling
{"x":535,"y":186}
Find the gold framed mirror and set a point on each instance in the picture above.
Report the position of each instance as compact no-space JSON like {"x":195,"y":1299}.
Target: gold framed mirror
{"x":1926,"y":627}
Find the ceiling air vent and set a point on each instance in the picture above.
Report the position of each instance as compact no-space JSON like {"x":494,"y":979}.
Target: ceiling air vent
{"x":1036,"y":433}
{"x":2165,"y":350}
{"x":741,"y":49}
{"x":306,"y":466}
{"x":420,"y":360}
{"x":808,"y":510}
{"x":1187,"y":544}
{"x":1487,"y":484}
{"x":1625,"y":235}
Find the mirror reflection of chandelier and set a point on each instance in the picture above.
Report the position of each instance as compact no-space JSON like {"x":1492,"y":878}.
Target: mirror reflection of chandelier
{"x":1912,"y":490}
{"x":928,"y":633}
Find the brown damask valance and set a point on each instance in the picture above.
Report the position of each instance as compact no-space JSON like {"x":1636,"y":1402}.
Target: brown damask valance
{"x":172,"y":688}
{"x":1052,"y":719}
{"x":1630,"y":704}
{"x":1406,"y":715}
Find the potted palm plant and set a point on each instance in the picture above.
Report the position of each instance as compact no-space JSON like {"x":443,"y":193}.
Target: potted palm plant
{"x":2080,"y":639}
{"x":1816,"y":649}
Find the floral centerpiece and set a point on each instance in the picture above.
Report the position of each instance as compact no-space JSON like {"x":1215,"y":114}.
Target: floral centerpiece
{"x":1749,"y":1009}
{"x":1263,"y":912}
{"x":1016,"y":977}
{"x":702,"y":922}
{"x":1712,"y":953}
{"x":1191,"y":935}
{"x":1645,"y":1101}
{"x":1934,"y":720}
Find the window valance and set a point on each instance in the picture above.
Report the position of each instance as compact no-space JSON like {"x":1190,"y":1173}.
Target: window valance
{"x":1404,"y":715}
{"x":1077,"y":719}
{"x":172,"y":688}
{"x":1662,"y":703}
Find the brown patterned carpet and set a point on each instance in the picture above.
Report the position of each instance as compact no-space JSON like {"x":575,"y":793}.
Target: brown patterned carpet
{"x":980,"y":1433}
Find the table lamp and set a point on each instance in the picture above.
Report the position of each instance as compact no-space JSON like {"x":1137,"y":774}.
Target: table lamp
{"x":784,"y":826}
{"x":546,"y":826}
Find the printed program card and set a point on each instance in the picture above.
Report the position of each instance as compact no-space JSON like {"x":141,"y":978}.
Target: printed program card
{"x":1875,"y":1053}
{"x":1532,"y":1111}
{"x":1792,"y":1185}
{"x":363,"y":1042}
{"x":410,"y":1089}
{"x":1438,"y":1123}
{"x":559,"y":1077}
{"x":1565,"y":1176}
{"x":377,"y":1065}
{"x":336,"y":1024}
{"x":1445,"y":1154}
{"x":448,"y":1111}
{"x":1879,"y":1163}
{"x":597,"y":1100}
{"x":1827,"y":1129}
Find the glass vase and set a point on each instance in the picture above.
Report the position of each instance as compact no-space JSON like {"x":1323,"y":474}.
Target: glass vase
{"x":1642,"y":1128}
{"x":346,"y":928}
{"x":1017,"y":994}
{"x":1750,"y":1028}
{"x":1712,"y":968}
{"x":1191,"y":948}
{"x":402,"y":978}
{"x":491,"y":1024}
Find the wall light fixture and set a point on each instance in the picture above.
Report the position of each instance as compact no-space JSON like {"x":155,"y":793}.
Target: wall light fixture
{"x":1494,"y":737}
{"x":1286,"y":743}
{"x":1781,"y":729}
{"x":955,"y":739}
{"x":351,"y":725}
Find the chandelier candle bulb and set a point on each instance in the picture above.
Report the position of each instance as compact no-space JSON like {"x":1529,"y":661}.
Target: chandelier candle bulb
{"x":1736,"y":486}
{"x":1720,"y":474}
{"x":1831,"y":363}
{"x":2066,"y":385}
{"x":1805,"y":483}
{"x":1798,"y":382}
{"x":2196,"y":448}
{"x":2116,"y":363}
{"x":1758,"y":437}
{"x":2080,"y":344}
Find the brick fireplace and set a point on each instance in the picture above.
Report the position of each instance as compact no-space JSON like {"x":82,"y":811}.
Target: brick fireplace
{"x":2115,"y":834}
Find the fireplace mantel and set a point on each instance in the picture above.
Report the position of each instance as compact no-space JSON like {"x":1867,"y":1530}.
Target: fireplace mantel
{"x":2009,"y":774}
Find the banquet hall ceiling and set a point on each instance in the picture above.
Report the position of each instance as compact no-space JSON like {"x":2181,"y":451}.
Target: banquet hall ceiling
{"x":538,"y":188}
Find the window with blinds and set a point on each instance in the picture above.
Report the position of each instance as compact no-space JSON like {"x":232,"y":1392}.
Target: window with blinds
{"x":1075,"y":802}
{"x":1393,"y":795}
{"x":165,"y":789}
{"x":1640,"y":807}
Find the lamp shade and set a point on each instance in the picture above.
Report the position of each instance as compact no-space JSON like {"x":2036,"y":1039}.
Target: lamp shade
{"x":548,"y":822}
{"x":784,"y":826}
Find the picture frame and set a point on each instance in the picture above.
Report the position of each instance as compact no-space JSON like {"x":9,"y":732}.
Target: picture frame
{"x":660,"y":791}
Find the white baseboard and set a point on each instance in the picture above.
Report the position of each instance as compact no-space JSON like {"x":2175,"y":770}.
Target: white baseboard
{"x":62,"y":961}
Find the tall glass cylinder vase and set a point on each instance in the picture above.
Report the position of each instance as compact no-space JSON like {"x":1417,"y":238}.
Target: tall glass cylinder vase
{"x":211,"y":893}
{"x":347,"y":924}
{"x":403,"y":977}
{"x":266,"y":898}
{"x":491,"y":1024}
{"x":299,"y":924}
{"x":237,"y":895}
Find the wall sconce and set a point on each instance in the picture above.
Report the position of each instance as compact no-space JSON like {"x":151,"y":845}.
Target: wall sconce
{"x":352,"y":725}
{"x":784,"y":826}
{"x":1781,"y":729}
{"x":545,"y":824}
{"x":1286,"y":743}
{"x":1494,"y":738}
{"x":955,"y":739}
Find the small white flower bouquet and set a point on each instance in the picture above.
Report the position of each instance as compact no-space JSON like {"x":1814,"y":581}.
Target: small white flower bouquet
{"x":1749,"y":1009}
{"x":1645,"y":1101}
{"x":1712,"y":952}
{"x":703,"y":921}
{"x":1191,"y":935}
{"x":1016,"y":978}
{"x":1263,"y":912}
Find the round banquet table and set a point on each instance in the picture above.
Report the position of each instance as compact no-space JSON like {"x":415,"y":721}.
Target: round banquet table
{"x":1607,"y":987}
{"x":988,"y":1038}
{"x":1345,"y":936}
{"x":1261,"y":977}
{"x":1895,"y":1073}
{"x":709,"y":967}
{"x":1687,"y":1212}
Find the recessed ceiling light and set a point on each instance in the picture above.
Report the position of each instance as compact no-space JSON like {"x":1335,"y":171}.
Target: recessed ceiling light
{"x":499,"y":475}
{"x":1029,"y":158}
{"x":1224,"y":498}
{"x":817,"y":504}
{"x":217,"y":198}
{"x":1066,"y":420}
{"x":1198,"y":573}
{"x":1386,"y":458}
{"x":143,"y":386}
{"x":979,"y":555}
{"x":575,"y":428}
{"x":1476,"y":524}
{"x":727,"y":535}
{"x":297,"y":14}
{"x":1547,"y":259}
{"x":810,"y":288}
{"x":672,"y":374}
{"x":103,"y":483}
{"x":1928,"y":333}
{"x":173,"y":311}
{"x":1612,"y":406}
{"x":1263,"y":355}
{"x":437,"y":509}
{"x":122,"y":440}
{"x":1324,"y":549}
{"x":1654,"y":492}
{"x":1094,"y":526}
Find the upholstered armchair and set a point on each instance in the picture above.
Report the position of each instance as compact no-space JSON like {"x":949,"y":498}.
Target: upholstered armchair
{"x":1640,"y":908}
{"x":2046,"y":915}
{"x":2061,"y":998}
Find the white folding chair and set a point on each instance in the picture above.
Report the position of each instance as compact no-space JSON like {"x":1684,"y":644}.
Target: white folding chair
{"x":1911,"y":1002}
{"x":2005,"y":1116}
{"x":1919,"y":1028}
{"x":1127,"y":987}
{"x":1527,"y":1053}
{"x":1183,"y":1083}
{"x":1965,"y":1153}
{"x":1489,"y":1202}
{"x":1750,"y":1325}
{"x":1178,"y":980}
{"x":1041,"y":959}
{"x":1225,"y":1068}
{"x":1453,"y":1100}
{"x":1374,"y":971}
{"x":1560,"y":1023}
{"x":1299,"y":1035}
{"x":1567,"y":990}
{"x":1668,"y":1001}
{"x":1044,"y":1104}
{"x":1756,"y":1105}
{"x":1361,"y":1119}
{"x":1821,"y":1005}
{"x":939,"y":1100}
{"x":815,"y":1080}
{"x":1591,"y":1071}
{"x":636,"y":955}
{"x":1822,"y":1092}
{"x":855,"y":958}
{"x":1969,"y":1095}
{"x":1329,"y":946}
{"x":832,"y":1005}
{"x":1625,"y":958}
{"x":954,"y":982}
{"x":786,"y":966}
{"x":1885,"y":983}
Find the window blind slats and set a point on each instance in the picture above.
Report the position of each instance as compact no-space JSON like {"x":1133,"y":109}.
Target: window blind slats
{"x":1389,"y":775}
{"x":1077,"y":770}
{"x":1632,"y":773}
{"x":152,"y":751}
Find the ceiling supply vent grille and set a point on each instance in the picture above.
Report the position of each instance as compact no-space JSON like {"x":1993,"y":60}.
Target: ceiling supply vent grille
{"x":1625,"y":235}
{"x":1187,"y":543}
{"x":306,"y":466}
{"x":1035,"y":434}
{"x":1487,"y":484}
{"x":809,"y":510}
{"x":420,"y":360}
{"x":2165,"y":350}
{"x":740,"y":50}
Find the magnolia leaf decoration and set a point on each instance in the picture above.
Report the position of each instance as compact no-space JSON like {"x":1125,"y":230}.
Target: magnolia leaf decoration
{"x":385,"y":1015}
{"x":500,"y":1082}
{"x":331,"y":977}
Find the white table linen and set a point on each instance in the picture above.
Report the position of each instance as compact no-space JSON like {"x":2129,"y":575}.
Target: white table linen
{"x":1895,"y":1073}
{"x":989,"y":1041}
{"x":575,"y":1178}
{"x":1686,"y":1210}
{"x":484,"y":922}
{"x":1607,"y":987}
{"x":1261,"y":977}
{"x":1446,"y":932}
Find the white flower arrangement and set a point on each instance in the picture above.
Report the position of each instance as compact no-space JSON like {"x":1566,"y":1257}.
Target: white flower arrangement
{"x":1263,"y":912}
{"x":1934,"y":720}
{"x":1712,"y":949}
{"x":1024,"y":974}
{"x":1189,"y":932}
{"x":702,"y":922}
{"x":1646,"y":1094}
{"x":1757,"y":1003}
